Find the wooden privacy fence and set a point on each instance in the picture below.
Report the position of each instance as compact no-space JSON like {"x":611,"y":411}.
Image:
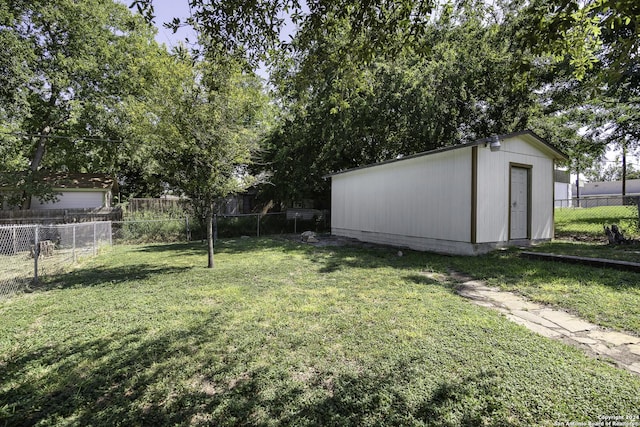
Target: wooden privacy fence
{"x":59,"y":216}
{"x":155,"y":205}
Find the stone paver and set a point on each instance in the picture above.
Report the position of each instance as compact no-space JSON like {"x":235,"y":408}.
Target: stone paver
{"x":635,"y":368}
{"x":614,"y":338}
{"x":544,"y":331}
{"x":532,"y":317}
{"x":623,"y":349}
{"x":584,"y":340}
{"x":634,"y":348}
{"x":566,"y":321}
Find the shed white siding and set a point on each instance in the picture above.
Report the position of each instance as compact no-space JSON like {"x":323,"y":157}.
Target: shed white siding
{"x":457,"y":200}
{"x":403,"y":203}
{"x":493,"y":190}
{"x":73,"y":200}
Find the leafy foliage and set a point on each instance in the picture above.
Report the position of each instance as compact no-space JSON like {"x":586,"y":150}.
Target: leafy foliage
{"x":578,"y":31}
{"x":68,"y":70}
{"x":204,"y":127}
{"x":341,"y":112}
{"x":251,"y":30}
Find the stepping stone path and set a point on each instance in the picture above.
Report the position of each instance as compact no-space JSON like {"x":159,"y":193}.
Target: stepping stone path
{"x":623,"y":349}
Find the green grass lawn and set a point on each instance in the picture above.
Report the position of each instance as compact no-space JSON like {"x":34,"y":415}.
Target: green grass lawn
{"x":607,"y":297}
{"x":629,"y":252}
{"x":282,"y":333}
{"x":589,"y":222}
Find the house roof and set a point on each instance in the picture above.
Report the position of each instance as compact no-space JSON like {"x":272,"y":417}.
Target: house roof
{"x":95,"y":181}
{"x":609,"y":188}
{"x":64,"y":180}
{"x":554,"y":151}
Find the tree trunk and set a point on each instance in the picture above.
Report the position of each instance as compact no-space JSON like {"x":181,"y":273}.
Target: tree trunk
{"x":209,"y":220}
{"x":40,"y":149}
{"x":35,"y":164}
{"x":624,"y":171}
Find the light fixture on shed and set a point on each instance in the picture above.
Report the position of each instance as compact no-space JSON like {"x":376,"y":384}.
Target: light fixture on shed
{"x":494,"y":144}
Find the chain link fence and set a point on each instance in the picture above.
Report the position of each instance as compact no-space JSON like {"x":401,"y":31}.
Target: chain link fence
{"x":584,"y":219}
{"x":28,"y":252}
{"x":188,"y":228}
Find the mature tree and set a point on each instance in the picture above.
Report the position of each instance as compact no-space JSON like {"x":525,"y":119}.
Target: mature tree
{"x":599,"y":43}
{"x":598,"y":39}
{"x":252,"y":29}
{"x":341,"y":112}
{"x":578,"y":30}
{"x":205,"y":128}
{"x":68,"y":68}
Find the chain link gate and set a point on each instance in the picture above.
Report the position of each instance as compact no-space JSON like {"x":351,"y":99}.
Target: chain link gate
{"x":30,"y":251}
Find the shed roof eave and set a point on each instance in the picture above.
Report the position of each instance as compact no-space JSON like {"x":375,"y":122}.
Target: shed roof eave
{"x":555,"y":152}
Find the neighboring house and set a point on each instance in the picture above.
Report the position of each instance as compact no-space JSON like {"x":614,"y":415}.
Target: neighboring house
{"x":562,"y":188}
{"x":609,"y":188}
{"x":78,"y":191}
{"x":464,"y":199}
{"x":605,"y":193}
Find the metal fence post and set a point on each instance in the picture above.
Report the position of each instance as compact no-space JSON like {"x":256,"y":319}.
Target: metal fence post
{"x":186,"y":224}
{"x":36,"y":254}
{"x":95,"y":247}
{"x":258,"y":233}
{"x":73,"y":250}
{"x":15,"y":242}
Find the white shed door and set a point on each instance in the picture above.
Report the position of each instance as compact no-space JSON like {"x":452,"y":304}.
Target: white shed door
{"x":519,"y":209}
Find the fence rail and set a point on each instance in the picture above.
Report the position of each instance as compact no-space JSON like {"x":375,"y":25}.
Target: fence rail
{"x":28,"y":252}
{"x":188,"y":228}
{"x":585,"y":218}
{"x":160,"y":205}
{"x":59,"y":216}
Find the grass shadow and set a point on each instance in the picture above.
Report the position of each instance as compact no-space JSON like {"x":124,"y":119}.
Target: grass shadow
{"x":99,"y":276}
{"x":366,"y":398}
{"x":113,"y":380}
{"x":630,"y":252}
{"x":121,"y":379}
{"x":431,"y":279}
{"x":332,"y":259}
{"x":179,"y":248}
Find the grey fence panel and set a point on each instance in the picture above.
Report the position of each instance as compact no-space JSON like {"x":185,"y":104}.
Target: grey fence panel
{"x":29,"y":252}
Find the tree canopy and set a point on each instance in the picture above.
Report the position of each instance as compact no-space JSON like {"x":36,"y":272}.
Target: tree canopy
{"x":68,"y":71}
{"x":84,"y":87}
{"x":341,"y":112}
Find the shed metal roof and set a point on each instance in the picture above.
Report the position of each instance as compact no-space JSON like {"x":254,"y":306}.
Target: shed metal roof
{"x":557,"y":153}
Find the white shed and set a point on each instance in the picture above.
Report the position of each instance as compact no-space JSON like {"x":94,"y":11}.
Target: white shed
{"x":463,"y":199}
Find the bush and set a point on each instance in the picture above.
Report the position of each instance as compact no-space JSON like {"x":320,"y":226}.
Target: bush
{"x":147,"y":227}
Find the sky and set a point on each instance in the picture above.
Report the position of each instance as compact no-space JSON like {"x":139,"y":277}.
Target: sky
{"x":165,"y":11}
